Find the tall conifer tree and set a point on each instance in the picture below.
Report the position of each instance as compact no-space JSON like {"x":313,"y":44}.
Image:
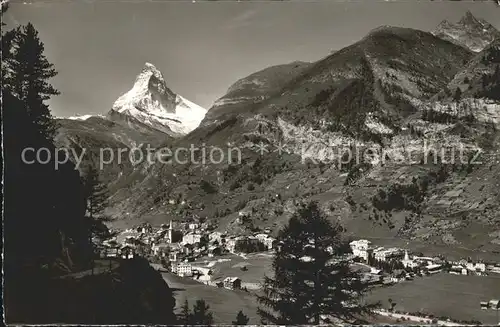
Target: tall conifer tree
{"x":201,"y":314}
{"x":312,"y":276}
{"x":27,"y":72}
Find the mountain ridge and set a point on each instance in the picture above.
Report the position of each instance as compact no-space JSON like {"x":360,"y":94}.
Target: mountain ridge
{"x":374,"y":94}
{"x":367,"y":89}
{"x":470,"y":32}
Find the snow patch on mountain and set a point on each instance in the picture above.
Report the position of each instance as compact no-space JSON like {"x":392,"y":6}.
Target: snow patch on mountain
{"x":83,"y":117}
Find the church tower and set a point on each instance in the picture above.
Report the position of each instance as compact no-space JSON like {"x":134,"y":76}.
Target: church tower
{"x":170,"y":232}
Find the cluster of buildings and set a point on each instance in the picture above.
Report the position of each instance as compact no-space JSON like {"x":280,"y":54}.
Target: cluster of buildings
{"x":204,"y":275}
{"x":468,"y":267}
{"x":177,"y":245}
{"x":402,"y":265}
{"x":366,"y":252}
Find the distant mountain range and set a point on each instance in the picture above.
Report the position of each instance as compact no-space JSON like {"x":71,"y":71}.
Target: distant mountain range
{"x":394,"y":89}
{"x":470,"y":32}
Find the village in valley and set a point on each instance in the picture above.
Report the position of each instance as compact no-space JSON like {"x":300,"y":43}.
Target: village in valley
{"x":190,"y":250}
{"x":293,"y":164}
{"x":197,"y":251}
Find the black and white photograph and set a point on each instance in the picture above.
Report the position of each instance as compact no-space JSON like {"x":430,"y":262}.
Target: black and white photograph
{"x":251,"y":162}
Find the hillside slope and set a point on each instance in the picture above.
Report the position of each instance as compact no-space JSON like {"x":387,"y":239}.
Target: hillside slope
{"x":103,"y":137}
{"x":369,"y":95}
{"x":477,"y":77}
{"x":253,"y":89}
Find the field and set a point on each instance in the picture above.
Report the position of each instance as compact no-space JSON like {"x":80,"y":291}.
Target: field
{"x":257,"y":266}
{"x":443,"y":294}
{"x":224,"y":303}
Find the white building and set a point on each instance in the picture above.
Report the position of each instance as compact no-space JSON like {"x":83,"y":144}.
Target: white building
{"x":231,"y":243}
{"x":215,"y":236}
{"x":382,"y":254}
{"x":183,"y":269}
{"x":232,"y":283}
{"x":193,"y":226}
{"x":424,"y":259}
{"x":191,"y":238}
{"x":433,"y":268}
{"x":409,"y":263}
{"x":479,"y":266}
{"x":361,"y":249}
{"x":267,"y":240}
{"x":458,"y":270}
{"x":494,"y":269}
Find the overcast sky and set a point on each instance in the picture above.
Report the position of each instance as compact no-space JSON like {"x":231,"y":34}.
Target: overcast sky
{"x":99,"y":47}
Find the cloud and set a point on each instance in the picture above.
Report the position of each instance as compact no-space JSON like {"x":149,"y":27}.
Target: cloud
{"x":241,"y":20}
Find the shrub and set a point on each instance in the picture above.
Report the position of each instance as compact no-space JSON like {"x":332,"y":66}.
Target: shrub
{"x":234,"y":185}
{"x":208,"y":187}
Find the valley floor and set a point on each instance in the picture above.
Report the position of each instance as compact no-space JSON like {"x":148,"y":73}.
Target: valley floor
{"x":444,"y":294}
{"x":224,"y":303}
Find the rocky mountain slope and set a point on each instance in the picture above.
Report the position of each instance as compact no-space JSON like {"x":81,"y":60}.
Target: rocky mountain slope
{"x":254,"y":88}
{"x":477,"y":77}
{"x":470,"y":32}
{"x":95,"y":134}
{"x":294,"y":137}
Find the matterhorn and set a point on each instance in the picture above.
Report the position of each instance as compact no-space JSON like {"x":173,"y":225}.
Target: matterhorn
{"x":151,"y":102}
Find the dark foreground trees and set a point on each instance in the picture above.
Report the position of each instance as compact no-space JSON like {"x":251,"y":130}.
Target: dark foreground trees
{"x":44,"y":205}
{"x":95,"y":192}
{"x":200,"y":315}
{"x":312,"y":278}
{"x":241,"y":319}
{"x":27,"y":76}
{"x":44,"y":225}
{"x":46,"y":234}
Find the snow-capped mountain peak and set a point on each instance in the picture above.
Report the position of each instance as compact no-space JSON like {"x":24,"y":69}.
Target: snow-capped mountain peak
{"x":153,"y":103}
{"x":469,"y":19}
{"x":83,"y":117}
{"x":469,"y":32}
